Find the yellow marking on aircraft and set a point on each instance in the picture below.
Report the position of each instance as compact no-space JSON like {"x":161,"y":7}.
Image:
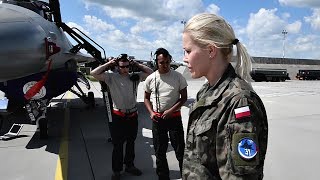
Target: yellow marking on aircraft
{"x":62,"y":164}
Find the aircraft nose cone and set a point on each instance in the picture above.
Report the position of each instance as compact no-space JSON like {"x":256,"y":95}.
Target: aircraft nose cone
{"x":22,"y":50}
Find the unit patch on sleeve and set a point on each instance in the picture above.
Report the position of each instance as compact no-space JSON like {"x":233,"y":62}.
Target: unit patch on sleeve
{"x":245,"y":149}
{"x":242,"y":112}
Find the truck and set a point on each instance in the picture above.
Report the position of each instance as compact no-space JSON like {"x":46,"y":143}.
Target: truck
{"x":308,"y":74}
{"x":264,"y":74}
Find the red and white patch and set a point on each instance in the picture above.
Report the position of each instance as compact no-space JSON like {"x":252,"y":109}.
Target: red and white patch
{"x":242,"y":112}
{"x":40,"y":94}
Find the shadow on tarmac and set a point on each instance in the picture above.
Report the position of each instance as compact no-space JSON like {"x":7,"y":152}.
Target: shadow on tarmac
{"x":146,"y":137}
{"x":56,"y":119}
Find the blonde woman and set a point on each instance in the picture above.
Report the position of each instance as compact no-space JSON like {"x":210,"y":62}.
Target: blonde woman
{"x":228,"y":130}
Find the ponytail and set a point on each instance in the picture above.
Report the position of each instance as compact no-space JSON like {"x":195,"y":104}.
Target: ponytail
{"x":243,"y":63}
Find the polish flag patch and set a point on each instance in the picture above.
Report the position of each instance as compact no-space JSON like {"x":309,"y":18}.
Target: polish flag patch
{"x":242,"y":112}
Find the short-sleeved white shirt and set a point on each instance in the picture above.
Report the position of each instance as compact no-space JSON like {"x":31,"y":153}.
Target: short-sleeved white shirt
{"x":168,"y":85}
{"x":123,"y":91}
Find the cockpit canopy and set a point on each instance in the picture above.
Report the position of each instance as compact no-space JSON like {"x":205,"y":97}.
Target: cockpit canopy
{"x":40,"y":7}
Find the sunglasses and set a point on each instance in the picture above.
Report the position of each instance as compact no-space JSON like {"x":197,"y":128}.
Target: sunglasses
{"x":122,"y":67}
{"x":164,"y":62}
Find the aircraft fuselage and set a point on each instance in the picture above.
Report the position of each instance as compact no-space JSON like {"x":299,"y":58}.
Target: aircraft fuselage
{"x":22,"y":47}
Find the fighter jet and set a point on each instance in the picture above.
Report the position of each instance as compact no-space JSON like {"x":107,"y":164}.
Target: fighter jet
{"x":37,"y":60}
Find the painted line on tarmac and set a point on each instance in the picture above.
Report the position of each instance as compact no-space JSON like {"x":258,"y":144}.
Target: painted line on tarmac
{"x":62,"y":164}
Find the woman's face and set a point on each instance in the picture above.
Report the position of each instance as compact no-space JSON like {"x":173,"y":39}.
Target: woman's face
{"x":196,"y":57}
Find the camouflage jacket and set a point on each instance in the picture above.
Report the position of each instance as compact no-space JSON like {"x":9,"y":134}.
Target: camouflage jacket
{"x":227,"y":132}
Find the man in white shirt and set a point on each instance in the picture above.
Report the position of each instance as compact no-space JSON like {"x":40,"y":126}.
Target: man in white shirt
{"x":168,"y":90}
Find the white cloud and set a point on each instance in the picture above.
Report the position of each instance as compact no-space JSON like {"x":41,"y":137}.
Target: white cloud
{"x":117,"y":36}
{"x":131,"y":9}
{"x":119,"y":42}
{"x":294,"y":27}
{"x":162,"y":10}
{"x":146,"y":25}
{"x":305,"y":45}
{"x":264,"y":23}
{"x":97,"y":24}
{"x":314,"y":20}
{"x":212,"y":8}
{"x":264,"y":32}
{"x":120,"y":13}
{"x":285,"y":15}
{"x":151,"y":24}
{"x":301,"y":3}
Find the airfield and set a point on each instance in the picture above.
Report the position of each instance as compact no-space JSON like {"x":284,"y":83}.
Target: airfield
{"x":77,"y":148}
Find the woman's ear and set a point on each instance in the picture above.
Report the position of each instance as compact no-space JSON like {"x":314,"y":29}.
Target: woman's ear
{"x":212,"y":51}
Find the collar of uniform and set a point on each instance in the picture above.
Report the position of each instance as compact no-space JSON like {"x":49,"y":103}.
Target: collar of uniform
{"x":209,"y":94}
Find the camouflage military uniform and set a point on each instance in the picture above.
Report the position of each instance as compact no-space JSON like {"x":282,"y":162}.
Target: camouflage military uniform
{"x":223,"y":142}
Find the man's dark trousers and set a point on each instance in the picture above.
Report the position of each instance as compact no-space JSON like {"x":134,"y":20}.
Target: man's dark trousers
{"x":160,"y":131}
{"x":124,"y":130}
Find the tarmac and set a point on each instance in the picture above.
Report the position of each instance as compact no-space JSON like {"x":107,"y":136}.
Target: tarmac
{"x":77,"y":148}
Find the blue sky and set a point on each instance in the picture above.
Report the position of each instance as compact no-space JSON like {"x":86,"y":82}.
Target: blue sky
{"x":137,"y":27}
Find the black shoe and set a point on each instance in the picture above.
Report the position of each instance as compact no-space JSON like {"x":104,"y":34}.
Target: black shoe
{"x":115,"y":176}
{"x":133,"y":170}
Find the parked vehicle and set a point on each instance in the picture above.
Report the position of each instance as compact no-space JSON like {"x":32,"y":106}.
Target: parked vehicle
{"x":275,"y":75}
{"x":173,"y":65}
{"x":308,"y":75}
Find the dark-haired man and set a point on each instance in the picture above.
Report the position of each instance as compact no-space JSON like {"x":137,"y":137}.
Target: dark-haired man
{"x":123,"y":89}
{"x":168,"y":89}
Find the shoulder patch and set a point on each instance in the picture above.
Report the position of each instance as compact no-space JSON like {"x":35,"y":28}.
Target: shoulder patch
{"x":242,"y":112}
{"x":247,"y":148}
